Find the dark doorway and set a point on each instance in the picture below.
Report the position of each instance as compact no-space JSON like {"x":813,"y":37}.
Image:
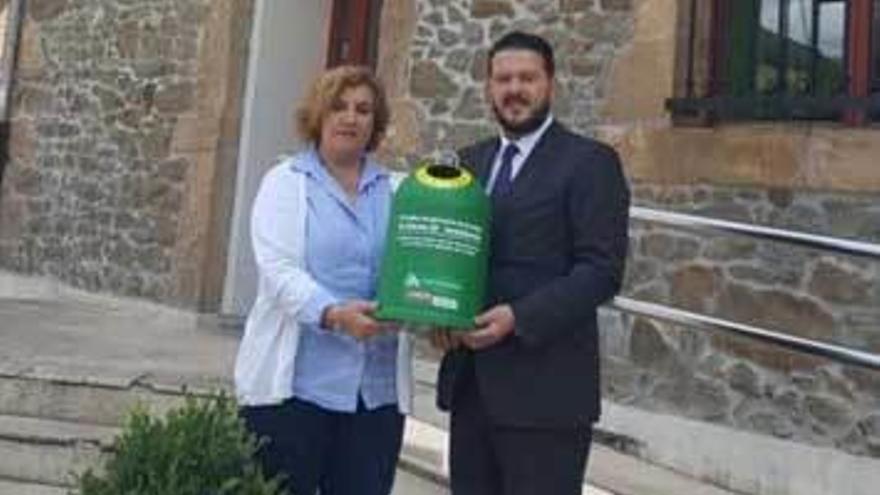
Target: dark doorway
{"x":354,"y":32}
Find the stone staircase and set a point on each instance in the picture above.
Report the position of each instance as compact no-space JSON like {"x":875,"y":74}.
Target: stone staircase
{"x":53,"y":428}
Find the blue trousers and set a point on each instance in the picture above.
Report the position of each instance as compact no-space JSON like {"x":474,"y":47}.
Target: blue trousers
{"x":334,"y":452}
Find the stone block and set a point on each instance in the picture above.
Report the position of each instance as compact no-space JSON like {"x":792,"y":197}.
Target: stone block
{"x":668,"y":246}
{"x":175,"y":98}
{"x":621,"y":382}
{"x":573,"y":6}
{"x":428,"y":80}
{"x":776,"y":310}
{"x":694,"y":285}
{"x":838,"y":281}
{"x":640,"y":271}
{"x":770,"y":423}
{"x":648,"y":348}
{"x":829,"y":412}
{"x":482,"y":9}
{"x":619,"y":5}
{"x":729,"y":248}
{"x":479,"y":67}
{"x":744,"y":379}
{"x":46,"y":10}
{"x":471,"y":106}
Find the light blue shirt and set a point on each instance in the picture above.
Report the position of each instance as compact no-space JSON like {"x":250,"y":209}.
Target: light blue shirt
{"x":343,"y":252}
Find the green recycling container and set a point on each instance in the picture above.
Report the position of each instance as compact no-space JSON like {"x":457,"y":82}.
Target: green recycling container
{"x":434,"y":268}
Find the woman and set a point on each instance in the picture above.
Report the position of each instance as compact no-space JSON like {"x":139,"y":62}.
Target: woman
{"x":317,"y":376}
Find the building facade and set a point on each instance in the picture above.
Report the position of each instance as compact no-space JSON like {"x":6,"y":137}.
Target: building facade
{"x":138,"y":131}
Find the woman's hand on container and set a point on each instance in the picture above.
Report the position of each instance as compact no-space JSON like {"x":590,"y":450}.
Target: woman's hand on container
{"x":354,"y":317}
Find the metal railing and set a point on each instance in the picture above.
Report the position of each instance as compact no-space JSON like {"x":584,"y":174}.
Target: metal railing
{"x":696,"y":320}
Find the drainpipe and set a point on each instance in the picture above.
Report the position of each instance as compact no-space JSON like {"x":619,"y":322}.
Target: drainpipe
{"x":14,"y":11}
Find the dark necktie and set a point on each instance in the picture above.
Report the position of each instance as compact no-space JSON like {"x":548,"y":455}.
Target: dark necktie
{"x":504,"y":179}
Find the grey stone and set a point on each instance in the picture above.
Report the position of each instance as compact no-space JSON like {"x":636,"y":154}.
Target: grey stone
{"x":491,"y":8}
{"x":435,"y":19}
{"x":464,"y":134}
{"x":693,"y":285}
{"x":841,"y":282}
{"x":456,"y":16}
{"x":798,"y":217}
{"x":869,"y":426}
{"x":654,"y":291}
{"x":447,"y":37}
{"x":743,"y":378}
{"x":474,"y":34}
{"x":471,"y":106}
{"x":835,"y":383}
{"x":668,"y":246}
{"x":729,"y":248}
{"x":763,"y":275}
{"x":710,"y":401}
{"x":648,"y":348}
{"x":458,"y":60}
{"x":771,"y":424}
{"x":428,"y":80}
{"x":780,"y":198}
{"x":640,"y":271}
{"x":828,"y":411}
{"x":616,"y":4}
{"x":572,"y":6}
{"x":778,"y":309}
{"x":46,"y":10}
{"x":581,"y":66}
{"x":479,"y":68}
{"x":621,"y":382}
{"x":173,"y":170}
{"x":175,"y":98}
{"x":726,"y":211}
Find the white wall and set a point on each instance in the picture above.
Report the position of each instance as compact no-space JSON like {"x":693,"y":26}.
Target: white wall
{"x":287,"y":49}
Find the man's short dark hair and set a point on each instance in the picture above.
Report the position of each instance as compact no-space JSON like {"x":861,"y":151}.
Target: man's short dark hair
{"x":518,"y":40}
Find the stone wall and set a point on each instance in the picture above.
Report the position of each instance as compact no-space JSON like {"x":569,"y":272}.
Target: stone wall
{"x":122,"y":114}
{"x":439,"y":85}
{"x":795,"y":290}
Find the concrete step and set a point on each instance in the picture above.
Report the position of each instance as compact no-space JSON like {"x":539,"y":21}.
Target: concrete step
{"x":92,"y":399}
{"x":19,"y":488}
{"x":49,"y":452}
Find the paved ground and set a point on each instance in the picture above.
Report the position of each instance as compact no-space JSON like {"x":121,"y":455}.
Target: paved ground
{"x":47,"y":331}
{"x":410,"y":484}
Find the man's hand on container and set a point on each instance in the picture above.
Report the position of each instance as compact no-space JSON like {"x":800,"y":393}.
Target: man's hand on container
{"x":445,"y":340}
{"x":493,"y":326}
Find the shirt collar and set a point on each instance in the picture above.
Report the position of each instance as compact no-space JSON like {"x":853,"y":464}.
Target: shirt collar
{"x":309,"y":163}
{"x":527,"y":142}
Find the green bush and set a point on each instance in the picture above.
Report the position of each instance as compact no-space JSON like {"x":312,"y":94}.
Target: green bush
{"x":202,"y":448}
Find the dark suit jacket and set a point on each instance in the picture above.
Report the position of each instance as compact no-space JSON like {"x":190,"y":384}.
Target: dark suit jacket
{"x":558,"y":246}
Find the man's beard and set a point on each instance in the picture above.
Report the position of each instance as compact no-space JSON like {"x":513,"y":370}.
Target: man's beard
{"x":530,"y":124}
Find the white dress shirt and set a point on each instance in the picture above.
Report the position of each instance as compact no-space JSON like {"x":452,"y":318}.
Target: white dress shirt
{"x":525,"y":144}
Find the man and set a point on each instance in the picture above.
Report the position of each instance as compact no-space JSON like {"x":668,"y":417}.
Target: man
{"x":523,"y":387}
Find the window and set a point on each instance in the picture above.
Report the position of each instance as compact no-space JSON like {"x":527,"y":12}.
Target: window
{"x":354,"y":33}
{"x":780,"y":60}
